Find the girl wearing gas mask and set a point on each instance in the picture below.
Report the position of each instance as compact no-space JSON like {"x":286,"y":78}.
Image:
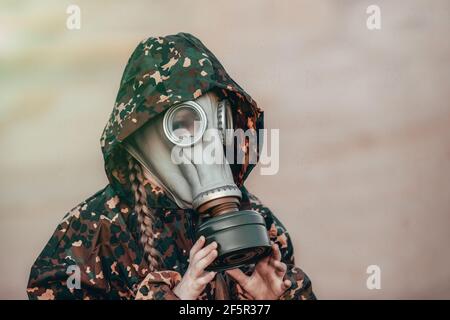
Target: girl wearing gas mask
{"x":175,"y":220}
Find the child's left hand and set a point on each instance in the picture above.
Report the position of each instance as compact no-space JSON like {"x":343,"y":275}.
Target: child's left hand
{"x":266,"y":281}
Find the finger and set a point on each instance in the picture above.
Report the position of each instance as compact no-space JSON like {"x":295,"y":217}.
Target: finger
{"x":286,"y":284}
{"x":197,"y":246}
{"x":200,"y":266}
{"x":265,"y":268}
{"x":205,"y":251}
{"x":247,"y":295}
{"x":276,"y":254}
{"x":204,"y":280}
{"x":280,"y":267}
{"x":239,"y":276}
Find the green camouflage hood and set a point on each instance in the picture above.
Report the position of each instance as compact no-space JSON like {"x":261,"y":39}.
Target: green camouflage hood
{"x":163,"y":71}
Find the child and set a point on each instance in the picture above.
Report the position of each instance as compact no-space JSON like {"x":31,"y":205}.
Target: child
{"x":135,"y":239}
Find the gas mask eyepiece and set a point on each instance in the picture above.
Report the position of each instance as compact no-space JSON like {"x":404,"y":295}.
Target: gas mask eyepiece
{"x":184,"y":124}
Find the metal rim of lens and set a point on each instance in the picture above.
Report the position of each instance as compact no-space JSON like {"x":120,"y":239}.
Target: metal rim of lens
{"x":169,"y":116}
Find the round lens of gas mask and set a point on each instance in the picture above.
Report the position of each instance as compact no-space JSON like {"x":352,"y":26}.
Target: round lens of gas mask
{"x":185,"y":123}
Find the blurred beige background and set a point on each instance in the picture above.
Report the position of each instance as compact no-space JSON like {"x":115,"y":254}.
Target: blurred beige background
{"x":364,"y":121}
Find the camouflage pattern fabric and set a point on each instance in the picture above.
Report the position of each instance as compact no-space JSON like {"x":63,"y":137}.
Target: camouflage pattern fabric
{"x":100,"y":235}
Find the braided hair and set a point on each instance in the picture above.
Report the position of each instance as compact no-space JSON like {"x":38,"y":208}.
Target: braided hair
{"x":146,"y":216}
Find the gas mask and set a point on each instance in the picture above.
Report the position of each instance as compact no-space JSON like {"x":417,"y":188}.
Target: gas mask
{"x":182,"y":152}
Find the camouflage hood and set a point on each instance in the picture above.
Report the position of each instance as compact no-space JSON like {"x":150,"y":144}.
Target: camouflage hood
{"x":163,"y":71}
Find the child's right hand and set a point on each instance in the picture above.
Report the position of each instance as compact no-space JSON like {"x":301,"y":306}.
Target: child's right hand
{"x":196,"y":278}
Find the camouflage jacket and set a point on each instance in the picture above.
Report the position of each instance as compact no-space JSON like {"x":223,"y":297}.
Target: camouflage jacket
{"x":100,"y":235}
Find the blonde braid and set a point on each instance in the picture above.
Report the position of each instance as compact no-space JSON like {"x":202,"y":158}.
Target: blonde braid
{"x":146,"y":217}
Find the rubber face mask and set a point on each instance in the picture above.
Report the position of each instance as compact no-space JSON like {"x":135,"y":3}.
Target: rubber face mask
{"x":182,"y":152}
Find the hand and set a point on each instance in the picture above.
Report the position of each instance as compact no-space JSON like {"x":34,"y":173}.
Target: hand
{"x":196,"y":278}
{"x":266,"y":282}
